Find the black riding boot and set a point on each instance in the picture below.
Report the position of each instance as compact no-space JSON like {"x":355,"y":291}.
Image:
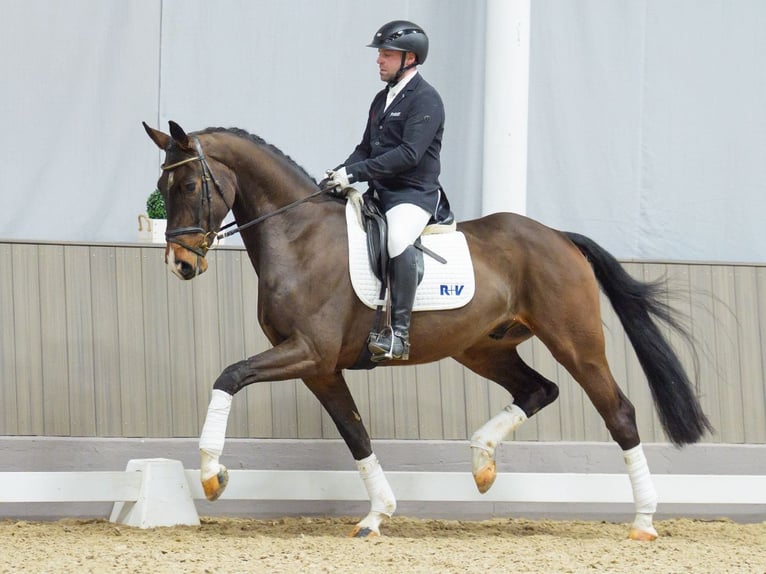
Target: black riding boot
{"x":394,"y":342}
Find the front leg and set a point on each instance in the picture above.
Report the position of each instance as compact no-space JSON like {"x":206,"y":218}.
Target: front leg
{"x":382,"y":500}
{"x":334,"y":395}
{"x":288,"y":360}
{"x":214,"y":475}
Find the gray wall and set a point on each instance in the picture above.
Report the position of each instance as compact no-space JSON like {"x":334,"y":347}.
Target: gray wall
{"x":646,"y":123}
{"x":101,"y":341}
{"x":83,"y":75}
{"x":647,"y":129}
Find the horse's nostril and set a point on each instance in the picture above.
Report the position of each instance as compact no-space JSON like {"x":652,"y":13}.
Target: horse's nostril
{"x":186,"y":270}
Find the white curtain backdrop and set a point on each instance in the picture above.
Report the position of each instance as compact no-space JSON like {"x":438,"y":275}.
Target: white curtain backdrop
{"x":646,"y":131}
{"x":647,"y":127}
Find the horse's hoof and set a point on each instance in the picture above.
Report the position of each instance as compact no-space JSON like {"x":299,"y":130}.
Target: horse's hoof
{"x":642,"y":535}
{"x":485,"y":477}
{"x":363,"y":532}
{"x":216,"y":484}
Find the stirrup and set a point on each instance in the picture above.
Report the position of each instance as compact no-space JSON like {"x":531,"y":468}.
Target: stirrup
{"x":382,"y":353}
{"x":375,"y":345}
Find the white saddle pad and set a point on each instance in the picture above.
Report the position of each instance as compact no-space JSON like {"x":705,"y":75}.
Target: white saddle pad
{"x":444,"y":286}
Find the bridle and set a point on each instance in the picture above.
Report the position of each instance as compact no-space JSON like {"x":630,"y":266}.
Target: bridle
{"x":171,"y":235}
{"x":207,"y":176}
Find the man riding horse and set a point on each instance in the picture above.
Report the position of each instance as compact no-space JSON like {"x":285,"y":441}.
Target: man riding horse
{"x":399,"y":157}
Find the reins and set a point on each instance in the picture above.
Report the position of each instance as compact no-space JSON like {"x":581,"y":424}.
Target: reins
{"x":258,"y":220}
{"x":207,"y":175}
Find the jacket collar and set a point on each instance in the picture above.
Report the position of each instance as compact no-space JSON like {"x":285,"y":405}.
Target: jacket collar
{"x":410,"y":86}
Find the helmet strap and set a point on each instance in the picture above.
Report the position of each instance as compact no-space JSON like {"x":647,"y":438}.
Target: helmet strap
{"x":402,"y":69}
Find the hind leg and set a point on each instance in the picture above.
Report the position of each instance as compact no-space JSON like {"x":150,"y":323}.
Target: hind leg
{"x":530,"y":392}
{"x":582,"y":353}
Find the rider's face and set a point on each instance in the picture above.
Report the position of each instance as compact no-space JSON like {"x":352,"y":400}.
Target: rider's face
{"x":389,"y":62}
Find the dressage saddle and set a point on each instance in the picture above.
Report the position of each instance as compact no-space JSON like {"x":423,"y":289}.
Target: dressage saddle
{"x":376,"y":230}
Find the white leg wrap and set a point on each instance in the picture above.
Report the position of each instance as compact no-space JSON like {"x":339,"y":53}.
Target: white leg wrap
{"x":644,"y":495}
{"x":382,"y":500}
{"x":497,"y":429}
{"x":214,"y":432}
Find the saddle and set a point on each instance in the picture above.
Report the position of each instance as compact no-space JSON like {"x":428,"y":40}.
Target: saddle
{"x":445,"y":280}
{"x":376,"y":230}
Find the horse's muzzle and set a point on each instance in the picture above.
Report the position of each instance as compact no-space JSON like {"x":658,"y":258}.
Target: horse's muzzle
{"x":183,"y":263}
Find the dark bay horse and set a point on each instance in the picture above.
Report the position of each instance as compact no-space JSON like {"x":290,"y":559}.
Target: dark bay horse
{"x":531,"y":281}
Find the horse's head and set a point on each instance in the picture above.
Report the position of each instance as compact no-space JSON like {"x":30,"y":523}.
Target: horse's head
{"x":199,"y":191}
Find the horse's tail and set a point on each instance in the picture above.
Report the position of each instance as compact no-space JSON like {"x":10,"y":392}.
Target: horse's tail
{"x":635,"y":303}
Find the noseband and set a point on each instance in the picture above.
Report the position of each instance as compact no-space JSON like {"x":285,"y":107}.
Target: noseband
{"x":171,"y":235}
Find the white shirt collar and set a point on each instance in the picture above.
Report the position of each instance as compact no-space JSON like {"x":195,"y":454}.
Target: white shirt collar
{"x":394,"y":91}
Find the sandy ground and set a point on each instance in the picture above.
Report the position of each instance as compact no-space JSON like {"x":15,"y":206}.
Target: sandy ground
{"x":222,"y":545}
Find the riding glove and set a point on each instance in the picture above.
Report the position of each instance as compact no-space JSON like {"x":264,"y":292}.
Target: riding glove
{"x":336,"y":182}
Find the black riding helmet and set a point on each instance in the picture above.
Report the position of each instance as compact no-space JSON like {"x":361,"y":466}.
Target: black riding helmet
{"x":404,"y":37}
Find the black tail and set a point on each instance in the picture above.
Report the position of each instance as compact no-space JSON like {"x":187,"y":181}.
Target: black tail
{"x":635,"y":303}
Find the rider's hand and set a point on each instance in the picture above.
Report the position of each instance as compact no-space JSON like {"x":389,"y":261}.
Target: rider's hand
{"x":336,"y":182}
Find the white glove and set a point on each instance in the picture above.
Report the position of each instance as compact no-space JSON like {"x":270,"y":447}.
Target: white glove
{"x":336,"y":182}
{"x":339,"y":178}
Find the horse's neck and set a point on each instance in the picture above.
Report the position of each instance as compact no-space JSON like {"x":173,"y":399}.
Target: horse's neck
{"x":266,"y":184}
{"x":289,"y":239}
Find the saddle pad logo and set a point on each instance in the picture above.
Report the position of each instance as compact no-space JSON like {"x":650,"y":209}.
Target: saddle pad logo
{"x":451,"y":290}
{"x":444,"y":286}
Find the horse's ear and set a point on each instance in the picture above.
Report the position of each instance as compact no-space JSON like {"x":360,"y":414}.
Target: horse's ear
{"x":179,"y":135}
{"x":161,"y":139}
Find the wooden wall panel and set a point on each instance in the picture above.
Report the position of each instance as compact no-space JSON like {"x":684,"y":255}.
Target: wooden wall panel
{"x":28,"y":333}
{"x":750,"y":307}
{"x":79,"y":340}
{"x":55,"y":340}
{"x":130,"y":333}
{"x":102,"y":341}
{"x":381,"y":423}
{"x":705,"y":332}
{"x":453,"y":401}
{"x":156,"y":344}
{"x":406,"y":409}
{"x":106,"y":342}
{"x":729,"y":384}
{"x":229,"y":334}
{"x":9,"y":421}
{"x":430,"y":414}
{"x":182,"y":382}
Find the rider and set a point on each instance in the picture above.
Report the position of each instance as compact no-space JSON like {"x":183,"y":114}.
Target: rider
{"x":399,"y":157}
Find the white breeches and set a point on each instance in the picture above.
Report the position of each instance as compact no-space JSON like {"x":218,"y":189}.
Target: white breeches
{"x":405,"y":224}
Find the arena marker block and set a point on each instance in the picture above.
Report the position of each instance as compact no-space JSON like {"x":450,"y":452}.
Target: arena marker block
{"x":164,"y":498}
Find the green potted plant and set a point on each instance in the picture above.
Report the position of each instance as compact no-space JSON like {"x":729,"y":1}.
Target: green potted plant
{"x":155,"y":219}
{"x":155,"y":206}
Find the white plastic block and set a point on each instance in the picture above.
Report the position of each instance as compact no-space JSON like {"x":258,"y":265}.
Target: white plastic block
{"x":164,"y":498}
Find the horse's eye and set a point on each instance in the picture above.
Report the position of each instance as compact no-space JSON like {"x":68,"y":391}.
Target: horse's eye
{"x":190,"y":186}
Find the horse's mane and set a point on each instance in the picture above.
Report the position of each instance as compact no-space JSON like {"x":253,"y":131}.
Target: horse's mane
{"x":244,"y":134}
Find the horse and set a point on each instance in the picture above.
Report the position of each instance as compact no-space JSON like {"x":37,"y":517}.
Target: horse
{"x":531,"y":281}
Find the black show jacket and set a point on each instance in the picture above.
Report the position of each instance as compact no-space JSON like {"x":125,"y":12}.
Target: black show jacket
{"x":399,"y":152}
